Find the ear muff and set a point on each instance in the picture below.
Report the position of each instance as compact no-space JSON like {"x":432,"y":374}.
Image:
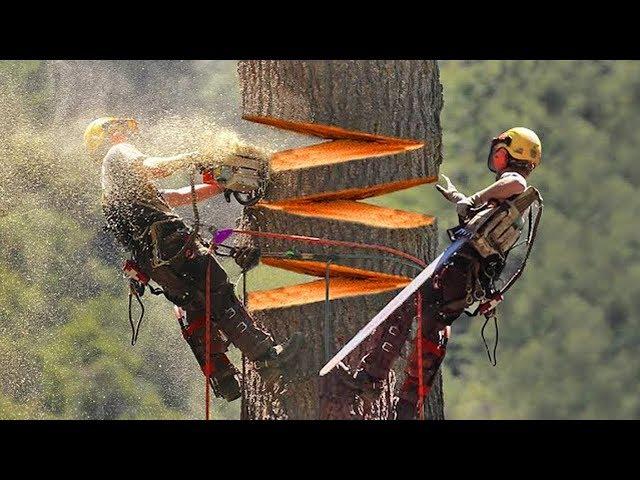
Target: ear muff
{"x":498,"y":159}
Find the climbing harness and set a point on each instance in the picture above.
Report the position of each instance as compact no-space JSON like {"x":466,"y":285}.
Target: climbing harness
{"x":487,"y":307}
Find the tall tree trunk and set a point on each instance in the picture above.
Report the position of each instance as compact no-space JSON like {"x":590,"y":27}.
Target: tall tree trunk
{"x":318,"y":191}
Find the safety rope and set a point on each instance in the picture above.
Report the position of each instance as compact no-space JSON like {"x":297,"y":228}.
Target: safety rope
{"x":208,"y":370}
{"x":421,"y":392}
{"x":326,"y":241}
{"x":207,"y":340}
{"x":531,"y":236}
{"x":327,"y":327}
{"x":493,"y":360}
{"x":243,"y":404}
{"x":135,"y":330}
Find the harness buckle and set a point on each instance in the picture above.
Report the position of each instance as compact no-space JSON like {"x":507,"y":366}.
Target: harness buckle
{"x":133,"y":271}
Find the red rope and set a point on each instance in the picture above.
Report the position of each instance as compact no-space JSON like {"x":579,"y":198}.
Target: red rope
{"x":419,"y":352}
{"x":207,"y":340}
{"x":326,"y":241}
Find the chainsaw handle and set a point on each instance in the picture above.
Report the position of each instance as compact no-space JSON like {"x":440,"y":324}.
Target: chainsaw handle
{"x":248,"y":200}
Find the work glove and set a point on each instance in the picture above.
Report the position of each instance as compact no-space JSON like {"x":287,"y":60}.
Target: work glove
{"x":198,"y":160}
{"x":246,"y":257}
{"x":464,"y":206}
{"x":450,"y":192}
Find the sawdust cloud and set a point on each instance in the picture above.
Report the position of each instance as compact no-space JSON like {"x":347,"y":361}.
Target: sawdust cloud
{"x":51,"y":219}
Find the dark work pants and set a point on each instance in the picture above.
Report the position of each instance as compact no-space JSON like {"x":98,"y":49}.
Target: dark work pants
{"x":442,"y":302}
{"x":184,"y":284}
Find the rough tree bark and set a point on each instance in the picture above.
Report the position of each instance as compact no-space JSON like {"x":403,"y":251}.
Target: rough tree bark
{"x":322,"y":197}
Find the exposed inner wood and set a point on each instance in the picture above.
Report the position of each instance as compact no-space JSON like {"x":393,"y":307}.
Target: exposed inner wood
{"x":360,"y":193}
{"x":352,"y":211}
{"x":328,"y":131}
{"x":318,"y":269}
{"x":313,"y":292}
{"x":337,"y":151}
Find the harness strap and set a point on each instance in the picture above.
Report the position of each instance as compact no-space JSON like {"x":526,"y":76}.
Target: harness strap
{"x":433,"y":348}
{"x":531,"y":238}
{"x":193,"y":327}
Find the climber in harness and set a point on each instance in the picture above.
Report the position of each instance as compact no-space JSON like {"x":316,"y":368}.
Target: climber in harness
{"x":468,"y":276}
{"x":164,"y":249}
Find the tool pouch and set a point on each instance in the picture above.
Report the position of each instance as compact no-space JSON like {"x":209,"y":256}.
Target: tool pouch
{"x":171,"y":243}
{"x":498,"y":228}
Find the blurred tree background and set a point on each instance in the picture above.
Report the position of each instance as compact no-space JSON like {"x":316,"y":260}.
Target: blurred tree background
{"x":569,"y":332}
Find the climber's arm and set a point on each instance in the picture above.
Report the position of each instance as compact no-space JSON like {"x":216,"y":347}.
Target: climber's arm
{"x":499,"y":190}
{"x":182,"y":196}
{"x":450,"y":192}
{"x":160,"y":167}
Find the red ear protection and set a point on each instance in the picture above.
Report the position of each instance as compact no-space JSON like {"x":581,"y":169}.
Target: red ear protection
{"x":499,"y":159}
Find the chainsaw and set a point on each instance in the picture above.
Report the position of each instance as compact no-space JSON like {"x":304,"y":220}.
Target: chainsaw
{"x":243,"y":176}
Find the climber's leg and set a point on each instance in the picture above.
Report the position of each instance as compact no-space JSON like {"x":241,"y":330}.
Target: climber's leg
{"x":368,"y":379}
{"x":434,"y":349}
{"x":444,"y":300}
{"x":224,"y":375}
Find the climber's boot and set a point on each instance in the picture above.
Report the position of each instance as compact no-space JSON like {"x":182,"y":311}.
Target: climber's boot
{"x":232,"y":318}
{"x":227,"y":387}
{"x":279,"y":362}
{"x":406,"y":410}
{"x":225,"y":378}
{"x":363,"y":384}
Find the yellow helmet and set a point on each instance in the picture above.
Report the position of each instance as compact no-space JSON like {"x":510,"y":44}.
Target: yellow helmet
{"x":522,"y":144}
{"x":100,"y":129}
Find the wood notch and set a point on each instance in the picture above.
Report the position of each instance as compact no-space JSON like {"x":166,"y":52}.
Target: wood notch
{"x":330,"y":132}
{"x":319,"y":269}
{"x":359,"y":193}
{"x":314,"y":292}
{"x":333,"y":169}
{"x":336,"y":151}
{"x":350,"y":211}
